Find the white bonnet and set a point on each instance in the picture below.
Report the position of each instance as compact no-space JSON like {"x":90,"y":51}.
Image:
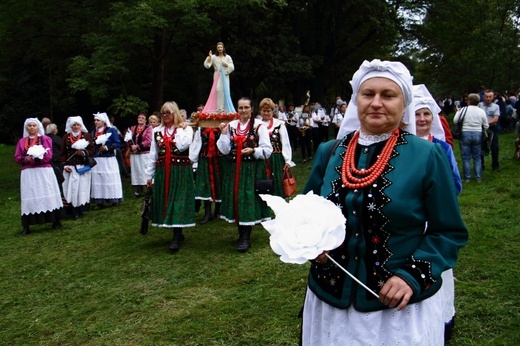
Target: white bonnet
{"x":74,"y":120}
{"x":28,"y":121}
{"x":103,"y":117}
{"x":392,"y":70}
{"x":423,"y":99}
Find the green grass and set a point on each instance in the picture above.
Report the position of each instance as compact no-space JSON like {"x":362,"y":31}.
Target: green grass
{"x":98,"y":281}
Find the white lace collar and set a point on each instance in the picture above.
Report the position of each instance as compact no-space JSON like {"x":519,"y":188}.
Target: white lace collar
{"x":367,"y":140}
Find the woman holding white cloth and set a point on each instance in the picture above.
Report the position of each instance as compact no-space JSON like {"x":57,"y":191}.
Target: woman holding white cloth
{"x":76,"y":146}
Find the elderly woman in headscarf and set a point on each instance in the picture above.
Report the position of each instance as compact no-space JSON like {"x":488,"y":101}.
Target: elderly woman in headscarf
{"x":106,"y":181}
{"x":39,"y":190}
{"x":76,"y":147}
{"x":428,"y":126}
{"x":390,"y":185}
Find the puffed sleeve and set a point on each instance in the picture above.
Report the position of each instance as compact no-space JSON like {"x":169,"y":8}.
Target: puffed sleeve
{"x":264,"y":149}
{"x":286,"y":146}
{"x":183,"y":138}
{"x":224,"y":142}
{"x":149,"y":169}
{"x":195,"y":146}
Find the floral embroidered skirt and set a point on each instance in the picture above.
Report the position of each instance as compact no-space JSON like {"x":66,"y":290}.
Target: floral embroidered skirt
{"x":250,"y":208}
{"x":208,"y":183}
{"x":174,"y":207}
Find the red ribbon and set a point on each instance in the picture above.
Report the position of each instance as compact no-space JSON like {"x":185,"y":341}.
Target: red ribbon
{"x":212,"y":159}
{"x":167,"y":163}
{"x":239,"y":143}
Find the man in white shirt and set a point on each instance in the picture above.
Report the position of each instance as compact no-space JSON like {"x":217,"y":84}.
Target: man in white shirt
{"x":492,"y":111}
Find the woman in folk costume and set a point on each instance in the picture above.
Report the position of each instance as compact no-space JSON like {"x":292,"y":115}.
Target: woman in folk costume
{"x":246,"y":143}
{"x":169,"y":166}
{"x":39,"y":190}
{"x":76,"y":146}
{"x":140,"y":139}
{"x":390,"y":185}
{"x":219,"y":97}
{"x":208,"y":183}
{"x":429,"y":127}
{"x":106,"y":180}
{"x":281,"y":158}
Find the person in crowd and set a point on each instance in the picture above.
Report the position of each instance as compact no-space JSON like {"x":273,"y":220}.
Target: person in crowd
{"x":118,"y":152}
{"x":139,"y":150}
{"x":76,"y":186}
{"x":492,"y":111}
{"x":315,"y":121}
{"x":106,"y":186}
{"x":209,"y":161}
{"x":338,"y":117}
{"x":304,"y":132}
{"x":39,"y":191}
{"x":403,"y":223}
{"x":428,"y":126}
{"x":219,"y":97}
{"x":154,"y":120}
{"x":291,"y":123}
{"x":169,"y":172}
{"x":45,"y":122}
{"x":471,"y":140}
{"x":52,"y":132}
{"x":282,"y":115}
{"x":246,"y":142}
{"x":281,"y":157}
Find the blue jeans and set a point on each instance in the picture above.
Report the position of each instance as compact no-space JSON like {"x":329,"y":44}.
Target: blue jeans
{"x":470,"y":147}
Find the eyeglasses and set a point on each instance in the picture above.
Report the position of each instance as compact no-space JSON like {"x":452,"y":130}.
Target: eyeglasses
{"x":243,"y":107}
{"x":166,"y":113}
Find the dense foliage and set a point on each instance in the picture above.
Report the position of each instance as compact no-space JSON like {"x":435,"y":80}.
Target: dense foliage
{"x":61,"y":58}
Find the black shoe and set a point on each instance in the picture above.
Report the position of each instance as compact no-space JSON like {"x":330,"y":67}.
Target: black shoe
{"x":75,"y":217}
{"x":244,"y":241}
{"x":56,"y":225}
{"x":174,"y":244}
{"x":25,"y":232}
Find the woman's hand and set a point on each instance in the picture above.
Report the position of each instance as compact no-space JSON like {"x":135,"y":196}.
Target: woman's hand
{"x":248,"y":151}
{"x":395,"y":291}
{"x":210,"y":54}
{"x":80,"y":153}
{"x":149,"y":183}
{"x":67,"y":169}
{"x":134,"y":147}
{"x":223,"y":128}
{"x":322,"y":259}
{"x":102,"y":149}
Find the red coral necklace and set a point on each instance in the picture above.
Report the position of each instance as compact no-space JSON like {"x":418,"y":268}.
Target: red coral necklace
{"x":368,"y":176}
{"x":73,"y":139}
{"x":241,"y":132}
{"x":29,"y":143}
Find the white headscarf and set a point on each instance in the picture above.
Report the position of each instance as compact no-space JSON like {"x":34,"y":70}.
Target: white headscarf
{"x":28,"y":121}
{"x":74,"y":120}
{"x":423,"y":99}
{"x":104,"y":118}
{"x":392,"y":70}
